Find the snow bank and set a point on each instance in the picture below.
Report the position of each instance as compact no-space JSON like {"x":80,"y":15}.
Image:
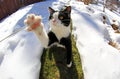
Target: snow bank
{"x":20,"y":54}
{"x":99,"y":60}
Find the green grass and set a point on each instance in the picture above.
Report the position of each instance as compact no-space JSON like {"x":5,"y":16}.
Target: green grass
{"x":53,"y":63}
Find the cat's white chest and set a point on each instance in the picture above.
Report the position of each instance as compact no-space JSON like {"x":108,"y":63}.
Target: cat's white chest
{"x":61,"y":31}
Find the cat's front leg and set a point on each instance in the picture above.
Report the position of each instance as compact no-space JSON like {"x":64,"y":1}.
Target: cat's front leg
{"x":34,"y":24}
{"x":43,"y":37}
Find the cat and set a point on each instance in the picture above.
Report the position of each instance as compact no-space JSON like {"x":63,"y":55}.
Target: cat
{"x":59,"y":32}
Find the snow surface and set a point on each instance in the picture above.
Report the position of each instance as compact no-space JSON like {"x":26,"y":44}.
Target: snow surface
{"x":99,"y":60}
{"x":20,"y":54}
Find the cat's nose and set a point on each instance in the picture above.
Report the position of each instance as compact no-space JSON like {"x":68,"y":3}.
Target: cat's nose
{"x":54,"y":20}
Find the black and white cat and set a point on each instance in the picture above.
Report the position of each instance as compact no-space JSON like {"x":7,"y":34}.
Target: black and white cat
{"x":59,"y":32}
{"x":60,"y":29}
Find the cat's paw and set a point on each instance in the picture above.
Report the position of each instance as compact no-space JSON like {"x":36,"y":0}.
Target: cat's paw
{"x":33,"y":21}
{"x":29,"y":19}
{"x":69,"y":65}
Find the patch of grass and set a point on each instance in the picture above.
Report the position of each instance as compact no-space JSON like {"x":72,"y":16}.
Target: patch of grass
{"x":53,"y":63}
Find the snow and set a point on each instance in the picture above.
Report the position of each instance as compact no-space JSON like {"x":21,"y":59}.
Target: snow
{"x":99,"y":60}
{"x":20,"y":54}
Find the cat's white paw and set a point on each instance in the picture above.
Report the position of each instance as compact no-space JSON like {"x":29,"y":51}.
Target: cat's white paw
{"x":69,"y":65}
{"x":33,"y":22}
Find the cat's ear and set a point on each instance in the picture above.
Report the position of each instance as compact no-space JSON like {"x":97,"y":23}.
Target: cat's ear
{"x":67,"y":9}
{"x":51,"y":10}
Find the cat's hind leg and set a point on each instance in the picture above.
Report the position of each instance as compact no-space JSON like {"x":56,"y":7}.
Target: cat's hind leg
{"x":68,"y":45}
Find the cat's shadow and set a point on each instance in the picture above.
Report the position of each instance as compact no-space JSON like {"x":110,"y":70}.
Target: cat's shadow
{"x":58,"y":54}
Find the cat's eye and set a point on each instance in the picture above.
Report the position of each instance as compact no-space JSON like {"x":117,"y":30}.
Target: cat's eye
{"x":51,"y":17}
{"x":61,"y":17}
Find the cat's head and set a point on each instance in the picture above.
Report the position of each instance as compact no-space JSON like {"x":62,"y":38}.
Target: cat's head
{"x":60,"y":18}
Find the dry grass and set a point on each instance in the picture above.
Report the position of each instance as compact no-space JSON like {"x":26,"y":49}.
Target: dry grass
{"x":114,"y":44}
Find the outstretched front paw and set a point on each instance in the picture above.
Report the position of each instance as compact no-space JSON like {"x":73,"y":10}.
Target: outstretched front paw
{"x":33,"y":21}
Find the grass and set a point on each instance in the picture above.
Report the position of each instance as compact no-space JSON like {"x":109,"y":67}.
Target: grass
{"x":54,"y":64}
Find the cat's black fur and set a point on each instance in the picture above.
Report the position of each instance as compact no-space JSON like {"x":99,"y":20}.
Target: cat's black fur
{"x":65,"y":19}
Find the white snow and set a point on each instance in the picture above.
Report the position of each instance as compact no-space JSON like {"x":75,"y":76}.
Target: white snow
{"x":99,"y":60}
{"x":20,"y":54}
